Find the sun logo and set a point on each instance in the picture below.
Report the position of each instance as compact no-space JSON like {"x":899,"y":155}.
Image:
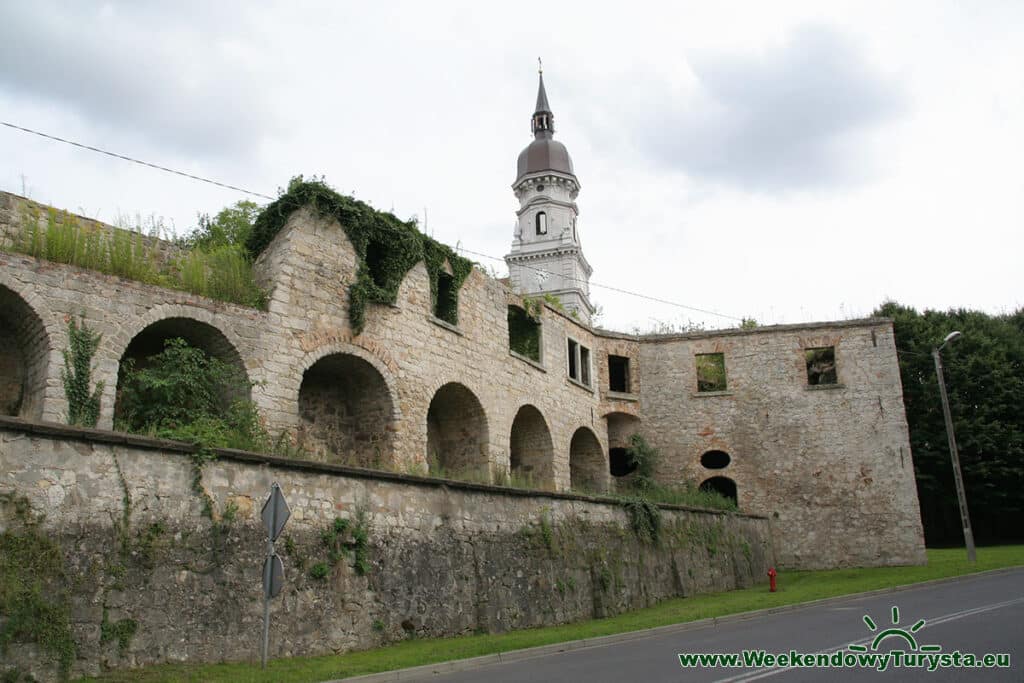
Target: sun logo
{"x":895,"y":632}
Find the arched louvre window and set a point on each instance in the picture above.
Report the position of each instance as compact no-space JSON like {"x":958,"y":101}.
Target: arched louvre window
{"x":542,"y":223}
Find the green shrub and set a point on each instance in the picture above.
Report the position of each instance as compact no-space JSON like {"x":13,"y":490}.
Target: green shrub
{"x":183,"y":393}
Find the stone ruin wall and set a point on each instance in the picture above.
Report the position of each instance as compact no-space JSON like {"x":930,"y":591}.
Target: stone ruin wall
{"x":832,"y":467}
{"x":830,"y":463}
{"x":442,"y":558}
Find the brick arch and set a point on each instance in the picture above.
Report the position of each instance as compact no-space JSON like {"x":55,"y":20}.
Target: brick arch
{"x":26,"y":352}
{"x":458,"y":436}
{"x":588,"y":467}
{"x":531,"y":450}
{"x":346,"y":407}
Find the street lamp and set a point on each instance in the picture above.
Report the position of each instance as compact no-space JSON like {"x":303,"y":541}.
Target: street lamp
{"x":958,"y":478}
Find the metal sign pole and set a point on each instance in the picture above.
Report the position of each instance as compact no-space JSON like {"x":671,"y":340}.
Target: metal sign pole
{"x":266,"y":601}
{"x":275,"y":514}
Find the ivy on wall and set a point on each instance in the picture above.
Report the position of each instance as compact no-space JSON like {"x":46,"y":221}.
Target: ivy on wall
{"x":83,"y":401}
{"x":386,"y":246}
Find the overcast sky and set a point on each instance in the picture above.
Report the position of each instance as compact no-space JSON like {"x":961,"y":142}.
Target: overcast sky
{"x":784,"y":161}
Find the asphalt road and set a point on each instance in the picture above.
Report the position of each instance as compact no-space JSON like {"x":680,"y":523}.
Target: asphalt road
{"x":977,"y":615}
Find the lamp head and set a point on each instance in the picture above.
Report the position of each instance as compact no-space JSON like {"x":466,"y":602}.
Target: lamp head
{"x":955,"y":334}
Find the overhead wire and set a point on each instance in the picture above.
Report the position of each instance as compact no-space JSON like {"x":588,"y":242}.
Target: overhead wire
{"x":228,"y":186}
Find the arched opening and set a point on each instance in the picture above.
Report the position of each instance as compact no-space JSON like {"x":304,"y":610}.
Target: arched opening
{"x":587,"y":466}
{"x":153,"y":339}
{"x":457,"y":433}
{"x":715,"y":460}
{"x":619,"y":462}
{"x":621,"y":427}
{"x":542,"y":223}
{"x":531,"y":452}
{"x":345,"y":412}
{"x":723,"y":485}
{"x":24,"y":350}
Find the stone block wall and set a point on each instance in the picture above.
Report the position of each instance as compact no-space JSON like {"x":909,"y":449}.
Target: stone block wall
{"x":138,"y":555}
{"x":831,"y":464}
{"x":834,"y":464}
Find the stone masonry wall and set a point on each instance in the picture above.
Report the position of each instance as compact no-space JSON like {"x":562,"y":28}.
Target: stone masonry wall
{"x":138,"y":554}
{"x":834,"y":465}
{"x":830,"y":464}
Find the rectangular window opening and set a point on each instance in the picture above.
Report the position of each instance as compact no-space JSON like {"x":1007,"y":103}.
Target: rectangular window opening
{"x":523,"y":333}
{"x":447,"y":305}
{"x":618,"y":373}
{"x":821,"y":366}
{"x":579,"y":362}
{"x":573,"y":363}
{"x":711,"y":372}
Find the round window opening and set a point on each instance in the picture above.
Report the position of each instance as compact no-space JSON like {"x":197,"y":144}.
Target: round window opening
{"x":715,"y":460}
{"x":540,"y":188}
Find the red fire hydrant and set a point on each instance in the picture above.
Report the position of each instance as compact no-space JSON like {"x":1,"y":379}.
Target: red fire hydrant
{"x":771,"y":579}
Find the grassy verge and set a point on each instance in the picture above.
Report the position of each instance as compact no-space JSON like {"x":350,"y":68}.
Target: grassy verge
{"x":794,"y":587}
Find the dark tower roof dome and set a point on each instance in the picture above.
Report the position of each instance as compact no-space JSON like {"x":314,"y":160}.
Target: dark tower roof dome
{"x":544,"y":153}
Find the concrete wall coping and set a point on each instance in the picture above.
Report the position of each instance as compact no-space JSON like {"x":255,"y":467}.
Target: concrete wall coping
{"x":66,"y":432}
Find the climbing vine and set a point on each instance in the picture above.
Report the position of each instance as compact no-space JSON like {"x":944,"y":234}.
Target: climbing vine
{"x":83,"y":404}
{"x":386,"y":246}
{"x":34,"y":606}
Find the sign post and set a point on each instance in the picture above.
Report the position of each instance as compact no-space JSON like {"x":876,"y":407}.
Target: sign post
{"x":275,"y":514}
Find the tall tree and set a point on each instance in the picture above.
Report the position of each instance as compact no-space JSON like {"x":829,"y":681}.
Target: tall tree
{"x":985,"y":378}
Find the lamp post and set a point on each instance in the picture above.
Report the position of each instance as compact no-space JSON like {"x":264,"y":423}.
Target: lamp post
{"x":958,"y":478}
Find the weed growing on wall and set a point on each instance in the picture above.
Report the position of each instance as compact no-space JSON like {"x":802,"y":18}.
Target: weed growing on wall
{"x":120,"y":631}
{"x":344,"y":537}
{"x":208,"y":268}
{"x":83,"y":401}
{"x":386,"y":246}
{"x":33,"y":601}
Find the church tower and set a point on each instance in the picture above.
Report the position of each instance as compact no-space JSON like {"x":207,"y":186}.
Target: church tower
{"x":546,"y":256}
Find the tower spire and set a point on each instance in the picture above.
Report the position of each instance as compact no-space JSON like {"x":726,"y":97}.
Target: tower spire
{"x":543,"y":122}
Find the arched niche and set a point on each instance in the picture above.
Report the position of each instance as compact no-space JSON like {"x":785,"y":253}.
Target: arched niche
{"x":457,"y":436}
{"x":346,"y":412}
{"x":24,"y":352}
{"x":531,"y":452}
{"x":588,"y":469}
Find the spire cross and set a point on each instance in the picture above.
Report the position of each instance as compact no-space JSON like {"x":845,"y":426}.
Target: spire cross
{"x":540,"y":66}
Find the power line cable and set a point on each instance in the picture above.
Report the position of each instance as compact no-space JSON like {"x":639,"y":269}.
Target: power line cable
{"x":136,"y":161}
{"x":258,"y":194}
{"x":609,"y":287}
